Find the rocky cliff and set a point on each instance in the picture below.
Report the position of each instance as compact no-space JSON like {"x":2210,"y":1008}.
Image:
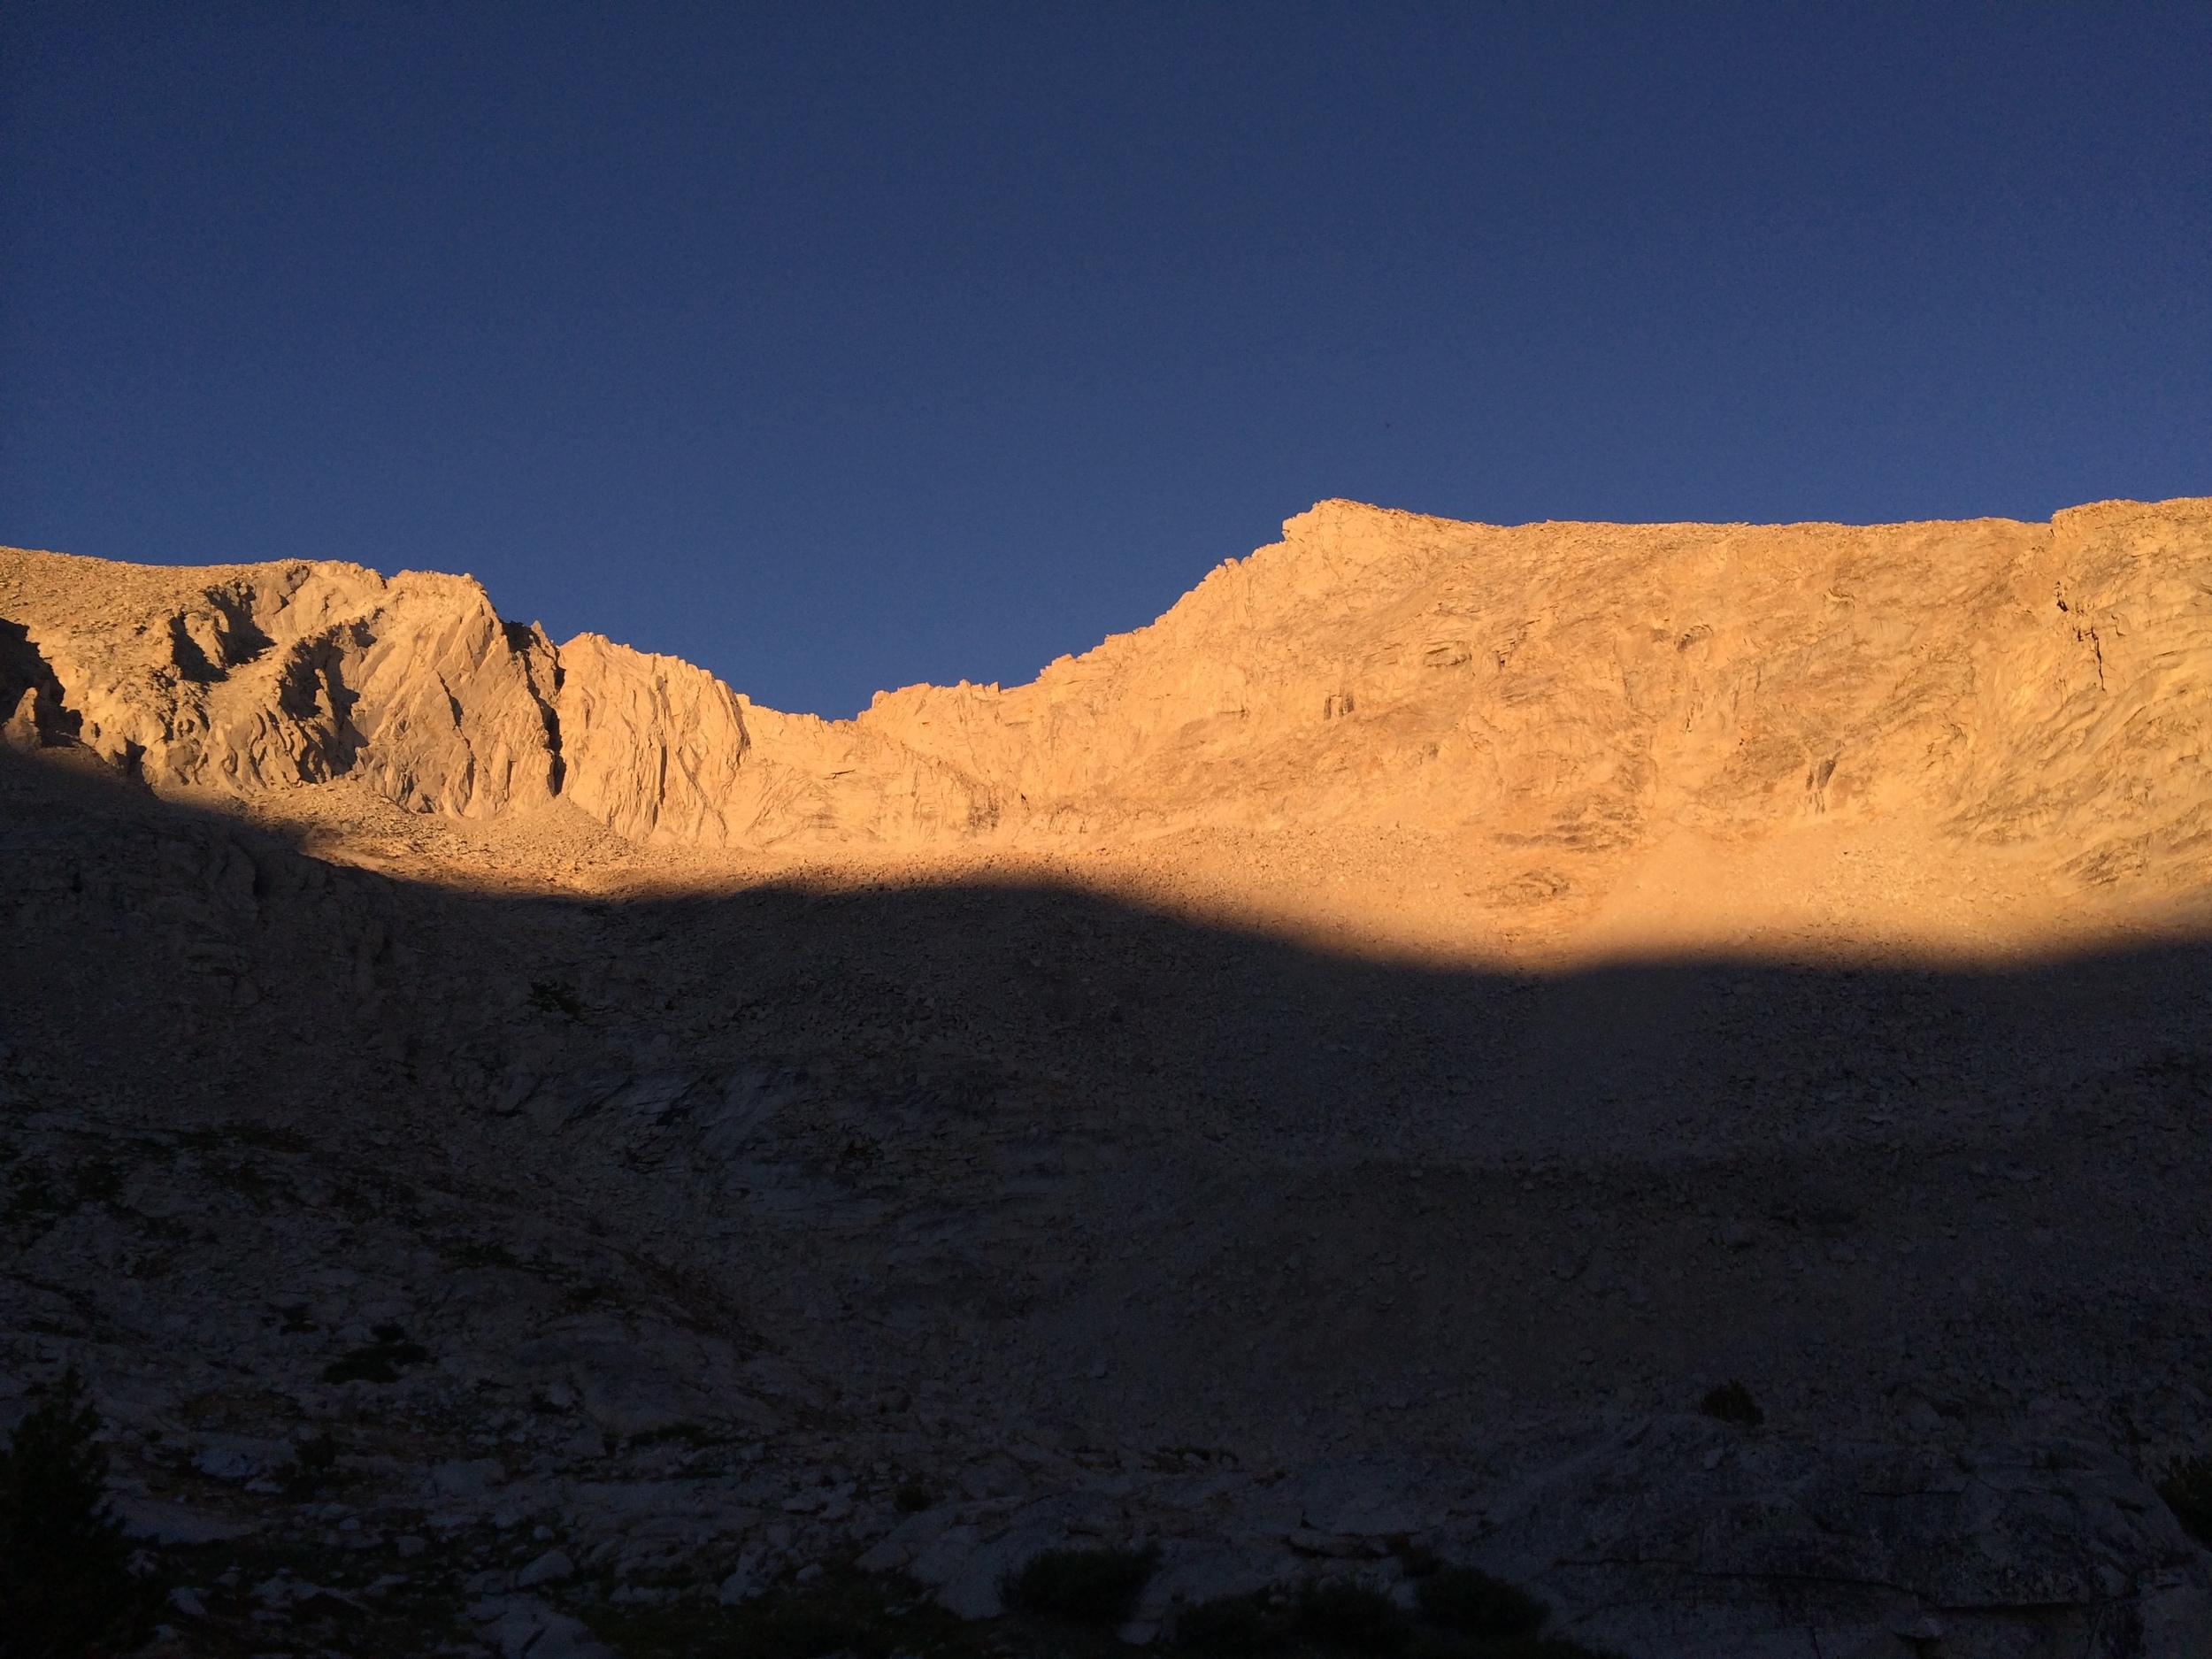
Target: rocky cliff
{"x":1554,"y":693}
{"x":247,"y":677}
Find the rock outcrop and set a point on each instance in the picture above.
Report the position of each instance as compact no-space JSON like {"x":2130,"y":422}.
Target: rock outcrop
{"x":248,"y":677}
{"x":651,"y":746}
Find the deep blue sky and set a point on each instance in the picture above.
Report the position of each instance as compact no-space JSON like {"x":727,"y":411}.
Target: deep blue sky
{"x":842,"y":347}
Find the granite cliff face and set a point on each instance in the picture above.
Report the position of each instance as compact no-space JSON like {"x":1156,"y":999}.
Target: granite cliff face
{"x":1556,"y":695}
{"x":248,"y":677}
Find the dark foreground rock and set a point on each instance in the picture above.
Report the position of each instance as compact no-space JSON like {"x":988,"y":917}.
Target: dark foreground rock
{"x":467,"y":1274}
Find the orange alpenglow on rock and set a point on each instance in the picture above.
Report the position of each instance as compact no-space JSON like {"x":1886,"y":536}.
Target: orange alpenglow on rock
{"x":1573,"y":735}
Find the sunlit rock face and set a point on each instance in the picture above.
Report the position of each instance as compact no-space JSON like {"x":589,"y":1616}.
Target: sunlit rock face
{"x":650,"y":746}
{"x":250,"y":677}
{"x":1615,"y":736}
{"x":1570,"y":695}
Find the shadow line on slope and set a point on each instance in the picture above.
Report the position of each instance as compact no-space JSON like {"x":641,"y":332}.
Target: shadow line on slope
{"x":1060,"y":1124}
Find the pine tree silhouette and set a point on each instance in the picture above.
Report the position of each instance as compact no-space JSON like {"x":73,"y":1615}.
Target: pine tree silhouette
{"x":64,"y":1589}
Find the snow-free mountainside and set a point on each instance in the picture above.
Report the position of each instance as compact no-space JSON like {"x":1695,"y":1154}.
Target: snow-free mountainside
{"x":534,"y":1152}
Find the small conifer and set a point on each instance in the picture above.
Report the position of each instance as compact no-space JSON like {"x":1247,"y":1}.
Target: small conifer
{"x":63,"y":1588}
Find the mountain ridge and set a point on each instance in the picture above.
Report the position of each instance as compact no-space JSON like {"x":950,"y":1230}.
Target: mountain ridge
{"x":1558,"y":704}
{"x":1666,"y":1065}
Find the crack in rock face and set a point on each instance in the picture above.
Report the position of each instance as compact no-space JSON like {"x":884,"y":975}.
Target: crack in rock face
{"x":1662,"y":1067}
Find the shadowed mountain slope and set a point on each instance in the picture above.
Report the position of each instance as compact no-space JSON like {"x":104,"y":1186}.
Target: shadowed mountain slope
{"x":1099,"y":1221}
